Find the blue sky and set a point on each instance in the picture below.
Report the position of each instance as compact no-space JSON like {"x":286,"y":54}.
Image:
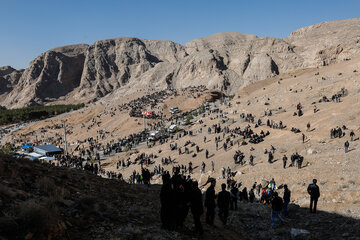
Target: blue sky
{"x":29,"y":28}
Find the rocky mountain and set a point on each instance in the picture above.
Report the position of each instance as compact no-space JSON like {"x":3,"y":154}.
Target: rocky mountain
{"x":224,"y":61}
{"x":51,"y":75}
{"x":9,"y":77}
{"x":327,"y":43}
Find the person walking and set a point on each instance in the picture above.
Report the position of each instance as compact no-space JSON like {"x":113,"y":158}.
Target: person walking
{"x":210,"y":203}
{"x":167,"y":210}
{"x":203,"y":165}
{"x":284,"y":161}
{"x":276,"y":206}
{"x":286,"y":198}
{"x":197,"y":207}
{"x":314,"y":193}
{"x":352,"y":134}
{"x":303,"y":138}
{"x":223,"y":204}
{"x":234,"y":196}
{"x":346,"y":145}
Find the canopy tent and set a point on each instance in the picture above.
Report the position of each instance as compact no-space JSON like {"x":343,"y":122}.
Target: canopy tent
{"x":47,"y":158}
{"x":34,"y":155}
{"x":25,"y":147}
{"x":47,"y":150}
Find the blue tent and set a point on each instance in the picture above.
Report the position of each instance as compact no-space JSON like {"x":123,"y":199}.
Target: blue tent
{"x":24,"y":147}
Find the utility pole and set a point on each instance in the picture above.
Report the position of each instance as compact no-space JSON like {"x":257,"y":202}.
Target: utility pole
{"x":64,"y":124}
{"x":144,"y":120}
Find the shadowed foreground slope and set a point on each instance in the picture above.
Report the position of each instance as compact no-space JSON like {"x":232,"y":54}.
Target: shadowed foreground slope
{"x":44,"y":202}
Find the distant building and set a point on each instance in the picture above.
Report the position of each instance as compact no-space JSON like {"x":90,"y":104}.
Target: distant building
{"x":47,"y":150}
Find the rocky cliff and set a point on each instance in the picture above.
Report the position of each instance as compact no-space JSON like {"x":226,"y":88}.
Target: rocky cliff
{"x":51,"y":75}
{"x":224,"y":61}
{"x":9,"y":77}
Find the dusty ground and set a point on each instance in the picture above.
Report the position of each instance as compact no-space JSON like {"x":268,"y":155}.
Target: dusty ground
{"x":45,"y":202}
{"x":337,"y":172}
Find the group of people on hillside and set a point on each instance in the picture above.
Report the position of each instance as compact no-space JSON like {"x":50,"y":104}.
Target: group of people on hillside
{"x":179,"y":195}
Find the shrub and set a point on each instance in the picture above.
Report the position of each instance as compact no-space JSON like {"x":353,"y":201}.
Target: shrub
{"x":8,"y":116}
{"x":36,"y":218}
{"x":48,"y":187}
{"x":189,"y":117}
{"x":7,"y":149}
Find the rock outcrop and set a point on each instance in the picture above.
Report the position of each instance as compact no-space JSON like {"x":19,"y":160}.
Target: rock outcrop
{"x":224,"y":61}
{"x":50,"y":76}
{"x":111,"y":64}
{"x":327,"y":43}
{"x":9,"y":77}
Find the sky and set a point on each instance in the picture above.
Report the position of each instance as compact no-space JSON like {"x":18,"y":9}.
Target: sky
{"x":29,"y":28}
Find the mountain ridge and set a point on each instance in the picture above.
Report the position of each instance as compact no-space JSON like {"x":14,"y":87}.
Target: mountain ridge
{"x":224,"y":61}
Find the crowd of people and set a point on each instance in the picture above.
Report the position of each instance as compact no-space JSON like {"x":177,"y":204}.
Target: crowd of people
{"x":180,"y":194}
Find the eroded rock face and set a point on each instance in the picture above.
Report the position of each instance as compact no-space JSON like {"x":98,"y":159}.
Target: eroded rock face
{"x":328,"y":42}
{"x":224,"y":61}
{"x":111,"y":64}
{"x":9,"y":77}
{"x":51,"y":75}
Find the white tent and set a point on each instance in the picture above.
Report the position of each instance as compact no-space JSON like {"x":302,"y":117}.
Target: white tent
{"x":47,"y":158}
{"x":34,"y":155}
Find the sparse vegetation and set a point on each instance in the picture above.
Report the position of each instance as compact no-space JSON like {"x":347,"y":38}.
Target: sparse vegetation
{"x":6,"y":149}
{"x":48,"y":187}
{"x":189,"y":117}
{"x":8,"y":116}
{"x":37,"y":219}
{"x":201,"y":109}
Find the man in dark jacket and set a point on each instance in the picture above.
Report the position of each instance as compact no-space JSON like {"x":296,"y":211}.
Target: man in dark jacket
{"x":286,"y":199}
{"x":233,"y":193}
{"x":210,"y":203}
{"x":223,"y":204}
{"x":346,"y":145}
{"x":167,"y":204}
{"x":284,"y":161}
{"x":314,"y":193}
{"x":276,"y":206}
{"x":197,"y":207}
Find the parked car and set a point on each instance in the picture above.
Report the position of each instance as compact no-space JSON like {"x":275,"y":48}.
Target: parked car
{"x":174,"y":110}
{"x":172,"y":128}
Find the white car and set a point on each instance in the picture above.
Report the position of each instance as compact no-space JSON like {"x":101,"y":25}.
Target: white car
{"x":174,"y":110}
{"x":153,"y":136}
{"x":172,"y":128}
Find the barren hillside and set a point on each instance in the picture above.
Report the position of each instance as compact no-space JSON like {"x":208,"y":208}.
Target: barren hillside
{"x":224,"y":61}
{"x":324,"y":158}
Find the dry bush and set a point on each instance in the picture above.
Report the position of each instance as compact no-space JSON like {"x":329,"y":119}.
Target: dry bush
{"x":48,"y":187}
{"x":14,"y":173}
{"x":2,"y":167}
{"x":6,"y":192}
{"x":88,"y":205}
{"x":36,"y":218}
